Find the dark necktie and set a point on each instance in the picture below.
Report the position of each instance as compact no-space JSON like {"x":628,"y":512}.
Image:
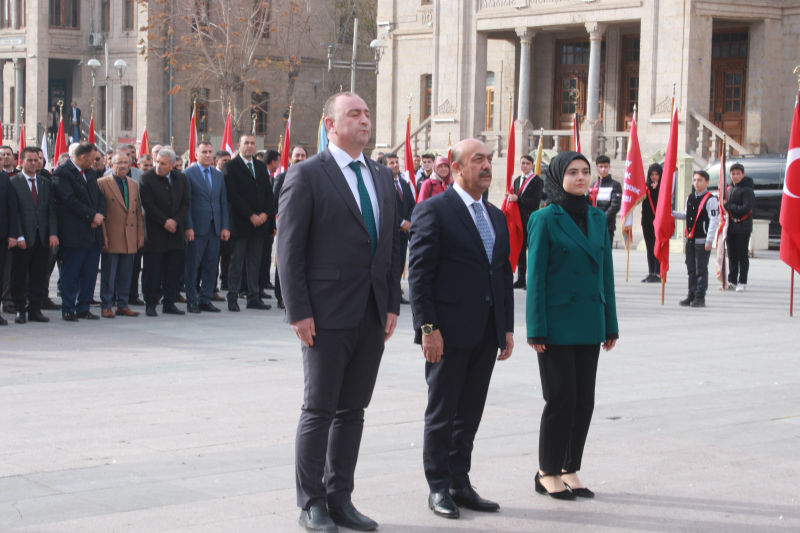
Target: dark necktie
{"x":366,"y":207}
{"x":208,"y":179}
{"x":34,"y":192}
{"x":399,"y":188}
{"x":250,"y":168}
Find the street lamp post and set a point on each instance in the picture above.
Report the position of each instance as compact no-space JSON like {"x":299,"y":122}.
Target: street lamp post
{"x":119,"y":66}
{"x":353,"y":64}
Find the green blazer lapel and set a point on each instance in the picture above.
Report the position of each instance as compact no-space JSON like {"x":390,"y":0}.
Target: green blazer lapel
{"x":570,"y":228}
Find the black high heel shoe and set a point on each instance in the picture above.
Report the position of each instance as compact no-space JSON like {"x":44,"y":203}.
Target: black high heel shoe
{"x":561,"y":495}
{"x":580,"y":493}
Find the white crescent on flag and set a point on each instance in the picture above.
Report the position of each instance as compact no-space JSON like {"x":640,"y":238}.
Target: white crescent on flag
{"x":791,"y":157}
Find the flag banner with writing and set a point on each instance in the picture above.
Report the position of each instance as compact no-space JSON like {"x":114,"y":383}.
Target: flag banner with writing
{"x":634,"y":186}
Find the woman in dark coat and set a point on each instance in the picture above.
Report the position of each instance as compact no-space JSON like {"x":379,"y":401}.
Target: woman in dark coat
{"x":649,"y":206}
{"x":570,"y":313}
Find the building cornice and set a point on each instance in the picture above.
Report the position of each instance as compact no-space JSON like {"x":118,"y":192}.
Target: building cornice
{"x":566,"y":13}
{"x":746,"y":10}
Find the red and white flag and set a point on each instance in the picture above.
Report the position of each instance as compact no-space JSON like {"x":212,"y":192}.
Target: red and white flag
{"x":61,"y":143}
{"x":192,"y":140}
{"x":790,"y":201}
{"x":634,"y":189}
{"x":90,"y":137}
{"x":227,"y":136}
{"x":144,"y":144}
{"x":665,"y":222}
{"x":722,"y":231}
{"x":409,"y":160}
{"x":21,"y":144}
{"x":576,"y":133}
{"x":287,"y":145}
{"x":511,"y":209}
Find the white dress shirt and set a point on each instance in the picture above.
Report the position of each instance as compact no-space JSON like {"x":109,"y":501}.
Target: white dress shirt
{"x":344,"y":160}
{"x":468,"y":201}
{"x":30,"y":186}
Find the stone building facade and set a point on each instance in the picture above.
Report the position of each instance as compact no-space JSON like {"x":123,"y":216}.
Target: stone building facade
{"x":45,"y":46}
{"x":730,"y":62}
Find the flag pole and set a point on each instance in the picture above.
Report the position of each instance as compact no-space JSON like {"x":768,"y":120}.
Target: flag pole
{"x":791,"y":297}
{"x":671,"y":116}
{"x":630,"y":229}
{"x":724,"y":275}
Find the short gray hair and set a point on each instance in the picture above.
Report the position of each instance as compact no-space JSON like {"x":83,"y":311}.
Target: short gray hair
{"x":71,"y":149}
{"x":167,"y":151}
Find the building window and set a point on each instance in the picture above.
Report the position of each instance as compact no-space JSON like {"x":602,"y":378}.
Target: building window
{"x":632,"y":50}
{"x":427,"y":95}
{"x":577,"y":53}
{"x":260,"y":103}
{"x":101,"y":118}
{"x":5,"y":13}
{"x":65,"y":14}
{"x":128,"y":15}
{"x":733,"y":92}
{"x":127,"y":107}
{"x":729,"y":45}
{"x":201,"y":111}
{"x":263,"y":12}
{"x":202,"y":12}
{"x":105,"y":15}
{"x":489,"y":101}
{"x":569,"y":95}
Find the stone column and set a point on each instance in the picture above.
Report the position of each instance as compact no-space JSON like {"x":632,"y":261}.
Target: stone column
{"x":595,"y":30}
{"x":19,"y":91}
{"x":523,"y":100}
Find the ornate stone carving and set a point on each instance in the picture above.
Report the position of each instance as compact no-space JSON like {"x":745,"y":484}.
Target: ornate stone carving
{"x":446,"y":108}
{"x":596,"y":30}
{"x":665,"y":106}
{"x":526,"y":35}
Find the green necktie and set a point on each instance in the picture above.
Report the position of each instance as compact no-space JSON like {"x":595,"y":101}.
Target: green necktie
{"x":250,"y":167}
{"x":125,"y":192}
{"x":366,"y":207}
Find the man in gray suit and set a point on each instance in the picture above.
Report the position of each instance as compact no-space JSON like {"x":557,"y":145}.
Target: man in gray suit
{"x":340,"y":264}
{"x":206,"y":224}
{"x":38,"y":233}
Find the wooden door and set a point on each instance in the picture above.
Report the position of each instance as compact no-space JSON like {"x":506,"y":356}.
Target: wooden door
{"x":729,"y":82}
{"x":629,"y":82}
{"x":571,"y":81}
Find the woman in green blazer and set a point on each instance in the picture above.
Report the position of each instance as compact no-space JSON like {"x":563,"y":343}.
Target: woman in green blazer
{"x":570,"y":313}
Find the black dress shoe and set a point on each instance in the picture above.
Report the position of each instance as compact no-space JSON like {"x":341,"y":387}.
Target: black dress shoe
{"x":170,"y":309}
{"x":348,"y":516}
{"x":50,"y":305}
{"x":87,"y":315}
{"x":687,"y":302}
{"x":243,"y":295}
{"x":3,"y":321}
{"x":151,"y":311}
{"x":20,"y":318}
{"x":233,"y":306}
{"x":317,"y":520}
{"x":258,"y":305}
{"x":565,"y":494}
{"x":37,"y":316}
{"x":582,"y":492}
{"x":269,"y":286}
{"x":94,"y":302}
{"x":442,"y":504}
{"x":281,"y":304}
{"x":193,"y":308}
{"x":209,"y":307}
{"x":467,"y":497}
{"x":135,"y":301}
{"x":70,"y":317}
{"x":404,"y":301}
{"x":520,"y":284}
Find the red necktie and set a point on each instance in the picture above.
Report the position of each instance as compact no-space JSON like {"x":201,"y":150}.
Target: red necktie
{"x":83,"y":176}
{"x":33,"y":191}
{"x":399,"y":188}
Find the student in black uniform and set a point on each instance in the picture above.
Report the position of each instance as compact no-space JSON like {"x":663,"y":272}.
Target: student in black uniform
{"x":702,"y":220}
{"x":607,"y":194}
{"x":741,"y":199}
{"x":528,"y":194}
{"x":648,"y":218}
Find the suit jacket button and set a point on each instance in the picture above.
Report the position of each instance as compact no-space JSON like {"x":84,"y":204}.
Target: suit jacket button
{"x":488,"y":298}
{"x":491,"y":272}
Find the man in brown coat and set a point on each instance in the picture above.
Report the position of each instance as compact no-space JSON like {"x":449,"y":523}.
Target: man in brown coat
{"x":124,"y":235}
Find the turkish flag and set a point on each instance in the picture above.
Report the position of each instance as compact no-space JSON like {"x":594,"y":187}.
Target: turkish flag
{"x":144,"y":144}
{"x":665,"y":222}
{"x":227,"y":136}
{"x":61,"y":143}
{"x":90,"y":137}
{"x":790,"y":201}
{"x":511,"y":209}
{"x":192,"y":141}
{"x":409,"y":159}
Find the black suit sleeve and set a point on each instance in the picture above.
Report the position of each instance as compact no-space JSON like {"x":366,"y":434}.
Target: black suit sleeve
{"x":423,"y":257}
{"x":147,"y":198}
{"x":616,"y":201}
{"x":51,"y":215}
{"x":740,"y":210}
{"x":532,"y":195}
{"x":276,"y":189}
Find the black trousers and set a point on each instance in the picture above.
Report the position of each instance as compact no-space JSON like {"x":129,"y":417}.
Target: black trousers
{"x":697,"y":267}
{"x":340,"y":371}
{"x":224,"y":264}
{"x":568,"y":377}
{"x":457,"y":389}
{"x":738,"y":258}
{"x":161,"y":273}
{"x":278,"y":293}
{"x":266,"y":260}
{"x":29,"y":265}
{"x":653,"y":266}
{"x":137,"y":270}
{"x":242,"y":250}
{"x":522,"y":262}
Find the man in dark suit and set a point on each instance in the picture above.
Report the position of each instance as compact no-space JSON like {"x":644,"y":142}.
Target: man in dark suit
{"x":36,"y":236}
{"x":272,"y":158}
{"x":298,"y":154}
{"x":165,"y":200}
{"x":75,"y":122}
{"x":206,"y":226}
{"x":9,"y":221}
{"x":528,"y":194}
{"x":405,"y":206}
{"x":252,"y":218}
{"x":462,"y":299}
{"x":339,"y":259}
{"x":81,"y":210}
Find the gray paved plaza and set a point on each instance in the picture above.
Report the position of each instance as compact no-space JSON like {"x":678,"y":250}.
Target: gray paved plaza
{"x":187,"y":424}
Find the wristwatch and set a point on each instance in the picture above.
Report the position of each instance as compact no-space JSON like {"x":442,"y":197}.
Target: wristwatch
{"x":427,"y":329}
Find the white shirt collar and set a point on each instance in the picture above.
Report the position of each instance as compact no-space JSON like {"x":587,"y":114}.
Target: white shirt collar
{"x":528,"y":175}
{"x":245,"y":160}
{"x":27,"y":177}
{"x":79,"y":169}
{"x":342,"y":158}
{"x":468,"y":200}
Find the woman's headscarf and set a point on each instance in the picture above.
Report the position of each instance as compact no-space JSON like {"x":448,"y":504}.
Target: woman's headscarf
{"x":654,"y":167}
{"x":442,"y":160}
{"x":554,"y":182}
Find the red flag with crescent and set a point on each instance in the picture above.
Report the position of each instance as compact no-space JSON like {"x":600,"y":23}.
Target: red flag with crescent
{"x":790,"y":202}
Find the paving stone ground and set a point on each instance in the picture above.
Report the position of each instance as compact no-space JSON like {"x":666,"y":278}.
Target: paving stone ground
{"x":187,"y":424}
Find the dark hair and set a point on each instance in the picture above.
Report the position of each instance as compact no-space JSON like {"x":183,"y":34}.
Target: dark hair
{"x":203,"y":143}
{"x":703,"y":174}
{"x":429,"y":156}
{"x":270,"y":156}
{"x":221,"y":153}
{"x":303,"y":148}
{"x":602,"y":159}
{"x":382,"y":160}
{"x":390,"y":156}
{"x":737,"y":166}
{"x":6,"y":146}
{"x":84,"y":148}
{"x":29,"y":150}
{"x":38,"y":150}
{"x":526,"y":156}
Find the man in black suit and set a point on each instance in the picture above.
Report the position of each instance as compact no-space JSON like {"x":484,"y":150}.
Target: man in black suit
{"x":165,"y":199}
{"x":252,"y":219}
{"x":339,"y":259}
{"x":528,"y":194}
{"x":75,"y":122}
{"x":81,"y":210}
{"x":462,"y":299}
{"x":37,"y":235}
{"x":297,"y":155}
{"x":8,"y":225}
{"x":405,"y":206}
